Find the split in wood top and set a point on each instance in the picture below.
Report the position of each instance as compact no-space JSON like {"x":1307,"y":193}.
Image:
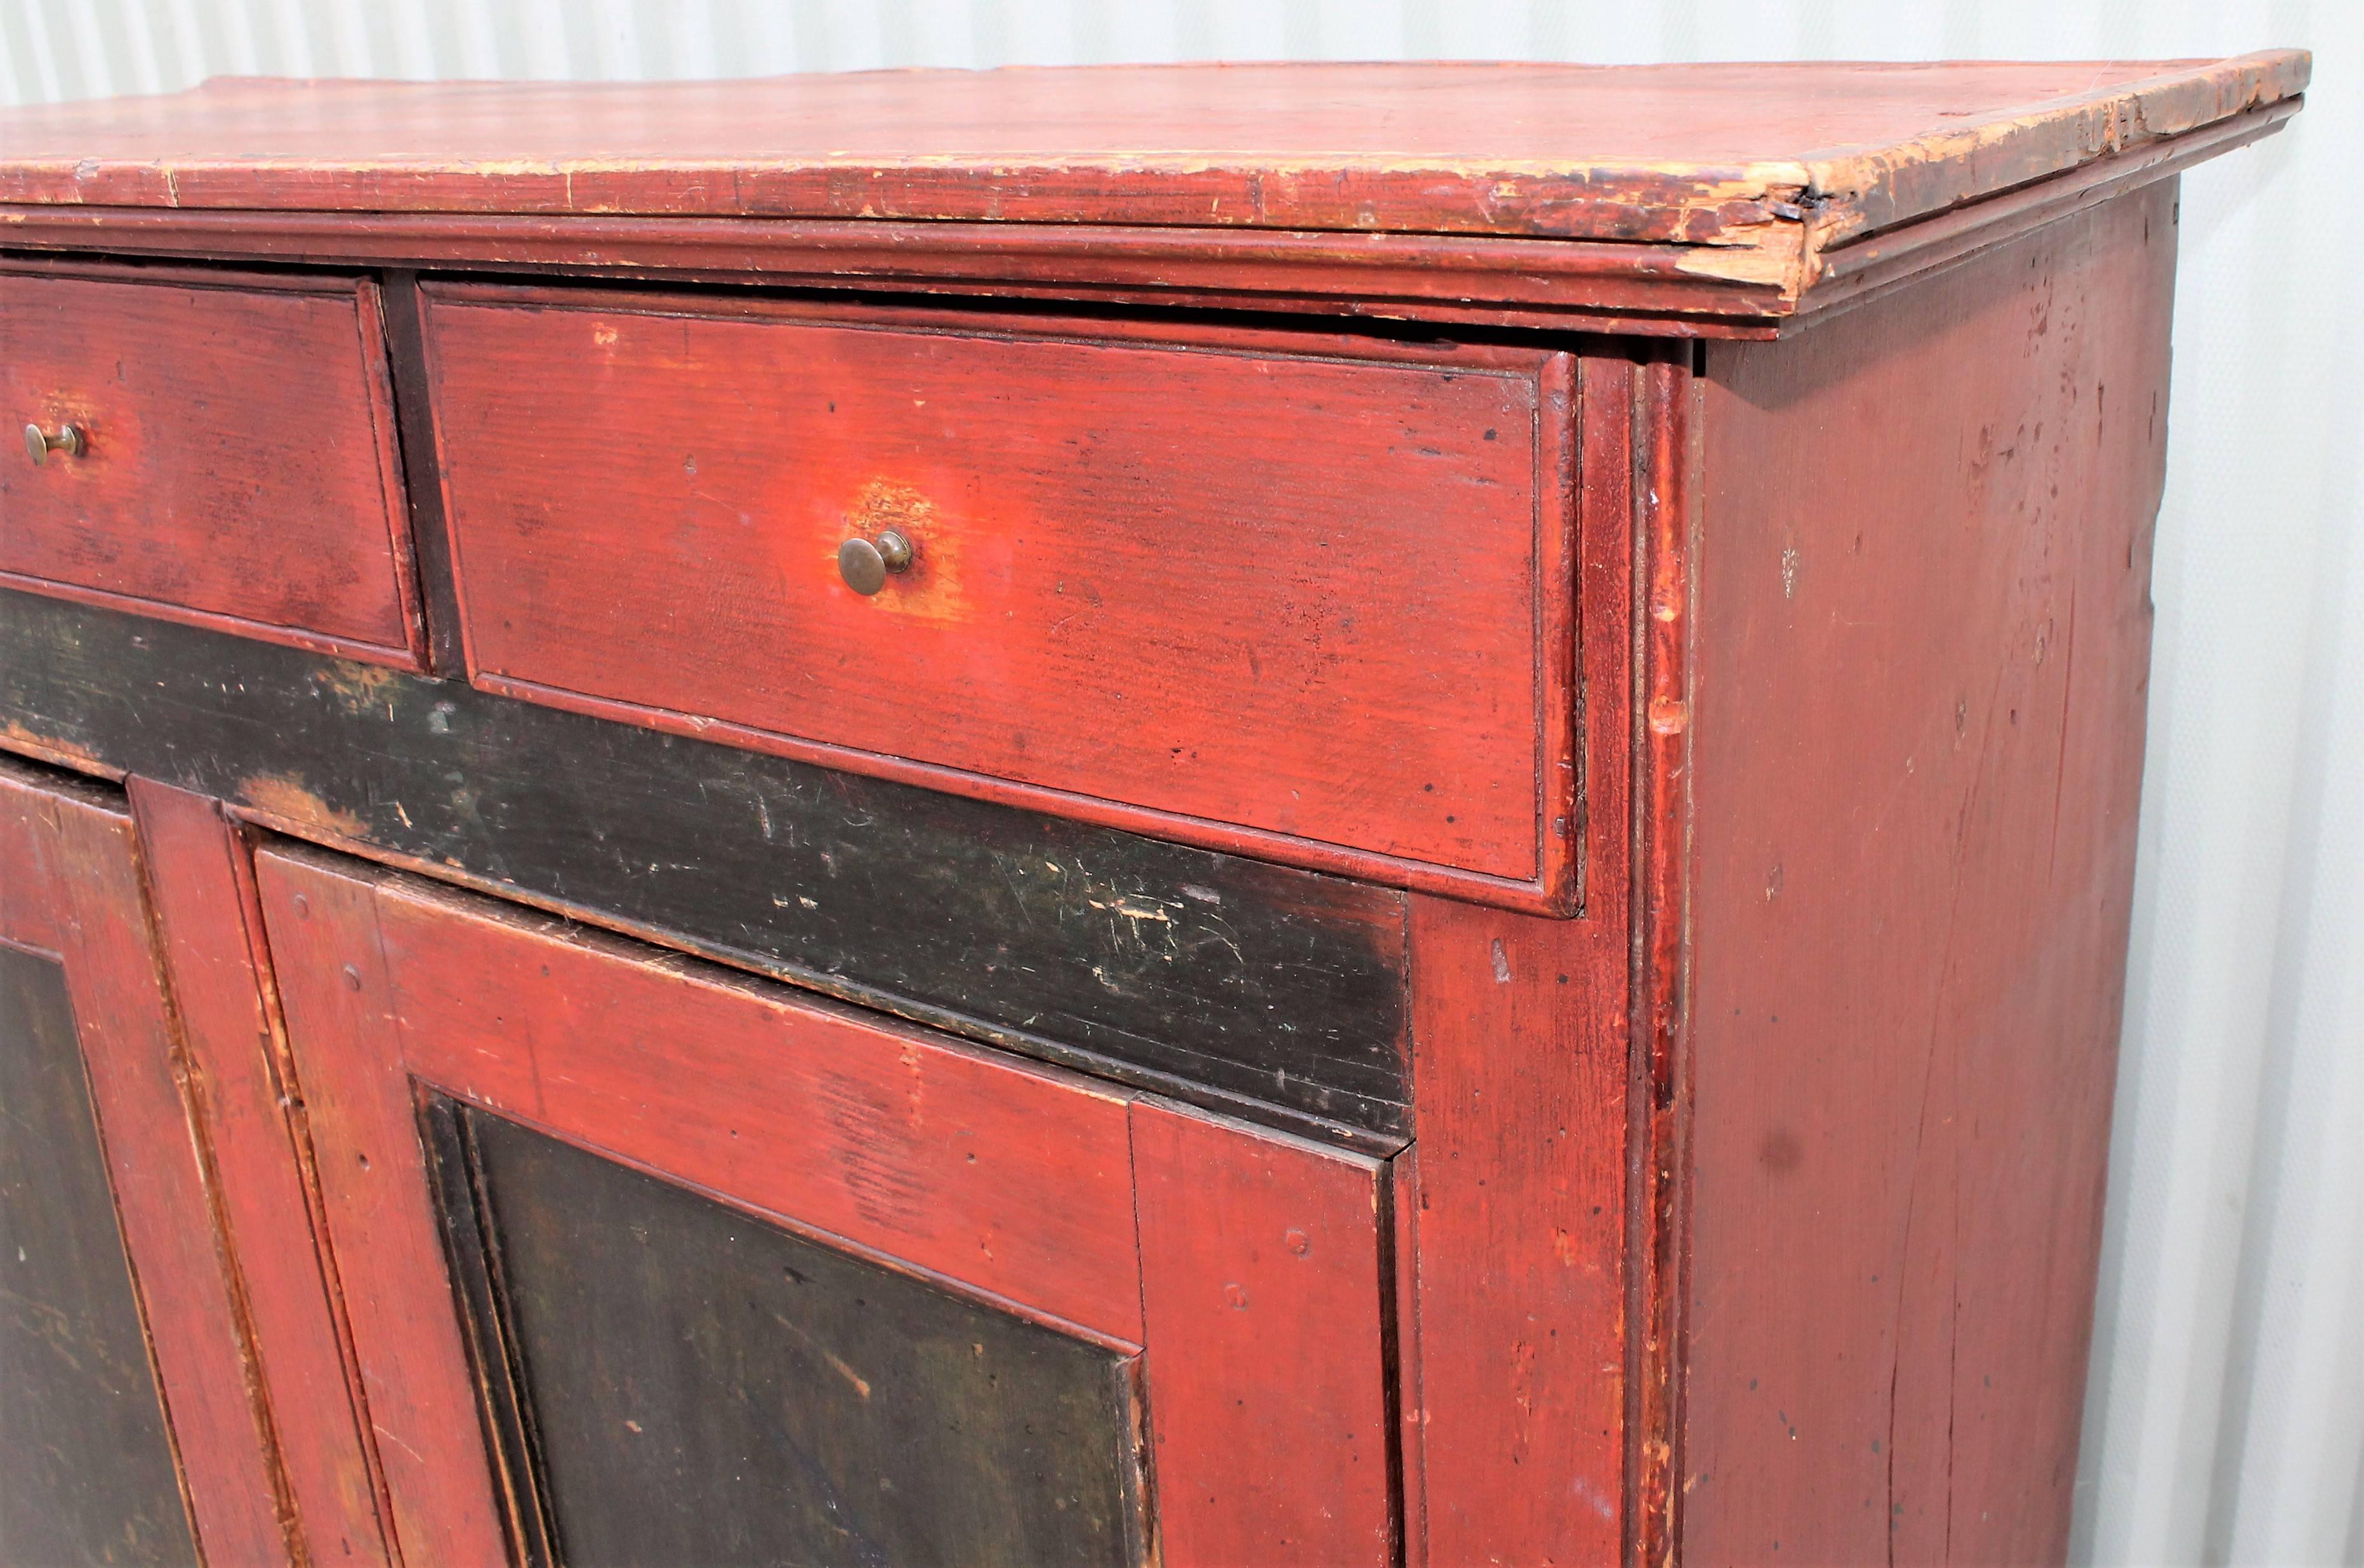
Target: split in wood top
{"x":1738,"y":177}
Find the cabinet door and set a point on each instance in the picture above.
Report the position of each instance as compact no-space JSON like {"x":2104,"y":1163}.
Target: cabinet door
{"x":730,"y":1275}
{"x":126,"y":1431}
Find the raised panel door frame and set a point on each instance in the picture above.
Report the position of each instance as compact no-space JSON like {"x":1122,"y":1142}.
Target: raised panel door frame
{"x":200,"y":872}
{"x":71,"y":890}
{"x":1251,"y":1271}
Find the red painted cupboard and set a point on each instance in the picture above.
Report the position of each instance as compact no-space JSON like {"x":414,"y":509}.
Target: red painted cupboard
{"x":1206,"y":815}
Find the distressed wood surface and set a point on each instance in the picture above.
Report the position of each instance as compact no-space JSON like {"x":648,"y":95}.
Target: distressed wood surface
{"x":200,"y":877}
{"x":1520,"y":1069}
{"x":77,"y":896}
{"x":807,"y":1407}
{"x":422,"y":483}
{"x":240,"y":468}
{"x":1481,"y":281}
{"x":86,"y":1471}
{"x":1515,"y":1357}
{"x":1911,"y":888}
{"x":1157,"y":963}
{"x":1459,"y":280}
{"x":1267,"y":1287}
{"x":472,"y":1251}
{"x":1665,"y":435}
{"x":1753,"y":1214}
{"x":1110,"y":1218}
{"x":1750,"y":168}
{"x":1334,"y":644}
{"x":359,"y":1101}
{"x":985,"y":1170}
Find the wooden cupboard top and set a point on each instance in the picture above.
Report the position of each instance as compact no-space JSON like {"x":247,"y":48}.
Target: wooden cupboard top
{"x":1729,"y":174}
{"x":1686,"y":152}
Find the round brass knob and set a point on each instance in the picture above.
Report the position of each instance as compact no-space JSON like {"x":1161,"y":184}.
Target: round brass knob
{"x":865,"y":563}
{"x":40,"y":443}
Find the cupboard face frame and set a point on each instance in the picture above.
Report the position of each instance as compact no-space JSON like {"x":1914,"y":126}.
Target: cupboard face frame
{"x":1158,"y":1232}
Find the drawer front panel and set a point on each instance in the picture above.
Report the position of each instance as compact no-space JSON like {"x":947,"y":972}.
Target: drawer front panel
{"x":1294,"y":600}
{"x":232,"y":458}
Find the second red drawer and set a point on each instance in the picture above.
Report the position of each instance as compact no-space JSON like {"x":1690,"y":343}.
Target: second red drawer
{"x":1314,"y":604}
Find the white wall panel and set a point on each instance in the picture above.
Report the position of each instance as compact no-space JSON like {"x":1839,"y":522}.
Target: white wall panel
{"x":2226,"y":1412}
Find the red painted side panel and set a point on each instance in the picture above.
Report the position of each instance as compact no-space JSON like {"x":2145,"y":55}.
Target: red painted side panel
{"x":1263,"y":1278}
{"x":238,"y":468}
{"x":1921,"y":672}
{"x":1308,"y":602}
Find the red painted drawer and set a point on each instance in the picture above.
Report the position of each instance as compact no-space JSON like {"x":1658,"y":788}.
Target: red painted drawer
{"x":237,"y":464}
{"x":1311,"y":597}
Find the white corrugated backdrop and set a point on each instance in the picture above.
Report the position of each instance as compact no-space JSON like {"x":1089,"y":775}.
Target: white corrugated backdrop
{"x":2226,"y":1412}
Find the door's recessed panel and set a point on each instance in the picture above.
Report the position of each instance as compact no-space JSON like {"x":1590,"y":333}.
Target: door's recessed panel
{"x":85,"y":1467}
{"x":698,"y":1386}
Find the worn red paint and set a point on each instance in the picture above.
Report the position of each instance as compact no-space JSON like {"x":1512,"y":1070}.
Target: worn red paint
{"x":1783,"y":699}
{"x":200,"y":875}
{"x":71,"y":886}
{"x":1204,"y":1243}
{"x":1265,"y":1284}
{"x":240,"y":469}
{"x":1911,"y":897}
{"x":1333,"y":645}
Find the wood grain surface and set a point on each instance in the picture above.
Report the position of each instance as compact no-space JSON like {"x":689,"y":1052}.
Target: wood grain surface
{"x":1516,"y":1356}
{"x":1127,"y":1223}
{"x":240,"y":467}
{"x":1688,"y":152}
{"x":1015,"y":1186}
{"x":1704,"y":199}
{"x":86,"y":1466}
{"x":1665,"y":437}
{"x":1297,"y":603}
{"x":1519,"y":1070}
{"x":1177,"y":969}
{"x":1267,"y":1285}
{"x":201,"y":878}
{"x":813,"y":1409}
{"x":415,"y":1380}
{"x":1687,"y":791}
{"x":1917,"y":750}
{"x":75,"y":893}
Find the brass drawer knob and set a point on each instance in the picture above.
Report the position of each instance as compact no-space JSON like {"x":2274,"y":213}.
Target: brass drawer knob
{"x":865,"y":563}
{"x":40,"y":443}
